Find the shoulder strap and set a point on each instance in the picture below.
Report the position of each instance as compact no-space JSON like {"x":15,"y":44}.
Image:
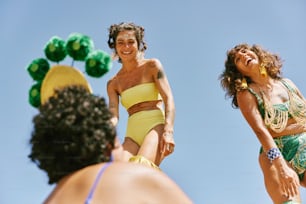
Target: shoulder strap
{"x":93,"y":188}
{"x":261,"y":106}
{"x":287,"y":85}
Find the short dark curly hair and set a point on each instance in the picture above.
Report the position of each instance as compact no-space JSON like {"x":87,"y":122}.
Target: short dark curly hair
{"x":231,"y":78}
{"x":71,"y":131}
{"x":115,"y":29}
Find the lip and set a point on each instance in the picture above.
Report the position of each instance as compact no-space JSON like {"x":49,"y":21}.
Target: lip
{"x":248,"y":60}
{"x":126,"y":53}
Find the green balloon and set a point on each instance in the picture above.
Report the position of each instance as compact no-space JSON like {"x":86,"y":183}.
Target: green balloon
{"x":78,"y":46}
{"x":38,"y":69}
{"x":34,"y":95}
{"x":98,"y":63}
{"x":55,"y":49}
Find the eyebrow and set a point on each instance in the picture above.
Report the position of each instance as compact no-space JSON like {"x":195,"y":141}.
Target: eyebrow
{"x":122,"y":39}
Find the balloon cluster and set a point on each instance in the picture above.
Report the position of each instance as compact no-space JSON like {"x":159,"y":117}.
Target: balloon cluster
{"x":80,"y":48}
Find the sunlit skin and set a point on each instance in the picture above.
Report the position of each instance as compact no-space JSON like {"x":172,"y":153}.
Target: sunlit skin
{"x":247,"y":61}
{"x":139,"y":184}
{"x":281,"y":180}
{"x":136,"y":70}
{"x":90,"y":168}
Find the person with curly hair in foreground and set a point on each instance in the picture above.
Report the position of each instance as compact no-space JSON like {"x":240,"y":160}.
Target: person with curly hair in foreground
{"x":275,"y":109}
{"x":75,"y":143}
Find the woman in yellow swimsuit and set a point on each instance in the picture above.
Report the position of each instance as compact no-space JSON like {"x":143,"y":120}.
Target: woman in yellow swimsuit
{"x":143,"y":89}
{"x":276,"y":111}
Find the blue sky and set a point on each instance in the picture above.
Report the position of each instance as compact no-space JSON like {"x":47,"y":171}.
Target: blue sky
{"x":215,"y":160}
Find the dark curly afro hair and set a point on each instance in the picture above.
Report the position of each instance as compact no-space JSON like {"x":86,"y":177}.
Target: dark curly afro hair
{"x":71,"y":131}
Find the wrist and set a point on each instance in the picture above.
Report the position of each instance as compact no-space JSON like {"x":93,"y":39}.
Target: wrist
{"x":168,"y":131}
{"x":114,"y":121}
{"x":273,"y":154}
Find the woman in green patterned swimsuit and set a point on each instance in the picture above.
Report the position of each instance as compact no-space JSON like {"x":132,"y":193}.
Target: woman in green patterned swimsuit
{"x":276,"y":111}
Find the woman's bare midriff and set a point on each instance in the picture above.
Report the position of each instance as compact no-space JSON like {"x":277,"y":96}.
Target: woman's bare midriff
{"x":144,"y":106}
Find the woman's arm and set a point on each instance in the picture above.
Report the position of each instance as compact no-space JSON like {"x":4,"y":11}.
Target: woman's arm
{"x":291,"y":129}
{"x":164,"y":88}
{"x":248,"y":106}
{"x":165,"y":91}
{"x":113,"y":97}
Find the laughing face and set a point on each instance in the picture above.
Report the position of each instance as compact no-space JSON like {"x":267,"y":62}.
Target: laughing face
{"x":246,"y":61}
{"x":126,"y":45}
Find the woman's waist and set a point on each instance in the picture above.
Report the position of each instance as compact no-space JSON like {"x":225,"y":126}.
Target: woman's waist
{"x":289,"y":144}
{"x":289,"y":136}
{"x":145,"y":106}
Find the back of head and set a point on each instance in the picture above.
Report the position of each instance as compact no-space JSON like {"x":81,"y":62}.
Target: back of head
{"x":72,"y":130}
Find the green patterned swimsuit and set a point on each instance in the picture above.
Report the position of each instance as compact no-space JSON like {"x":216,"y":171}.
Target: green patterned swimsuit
{"x":293,"y":147}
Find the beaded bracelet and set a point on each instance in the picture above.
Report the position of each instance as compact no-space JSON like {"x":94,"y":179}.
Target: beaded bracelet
{"x":273,"y":153}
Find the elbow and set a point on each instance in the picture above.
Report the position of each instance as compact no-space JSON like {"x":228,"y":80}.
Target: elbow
{"x":169,"y":103}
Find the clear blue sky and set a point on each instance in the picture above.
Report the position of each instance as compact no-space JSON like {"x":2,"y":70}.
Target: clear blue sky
{"x":215,"y":160}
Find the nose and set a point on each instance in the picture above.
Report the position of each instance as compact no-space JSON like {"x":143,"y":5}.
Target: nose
{"x":126,"y":45}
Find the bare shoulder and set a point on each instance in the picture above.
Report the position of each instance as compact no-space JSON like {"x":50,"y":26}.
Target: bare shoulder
{"x":244,"y":97}
{"x":244,"y":94}
{"x":139,"y":183}
{"x":290,"y":82}
{"x":141,"y":176}
{"x":154,"y":63}
{"x":154,"y":68}
{"x":112,"y":82}
{"x":132,"y":169}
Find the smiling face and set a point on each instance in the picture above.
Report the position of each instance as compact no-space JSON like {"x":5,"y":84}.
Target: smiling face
{"x":246,"y":61}
{"x":126,"y":45}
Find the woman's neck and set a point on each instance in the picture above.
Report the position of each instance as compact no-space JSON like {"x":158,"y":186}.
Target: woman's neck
{"x":128,"y":66}
{"x":264,"y":82}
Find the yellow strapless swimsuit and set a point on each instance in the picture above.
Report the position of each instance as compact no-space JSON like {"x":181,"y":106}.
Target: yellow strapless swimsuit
{"x":140,"y":123}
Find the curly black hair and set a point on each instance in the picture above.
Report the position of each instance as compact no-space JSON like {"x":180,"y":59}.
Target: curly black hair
{"x":115,"y":29}
{"x":72,"y":130}
{"x":231,"y":78}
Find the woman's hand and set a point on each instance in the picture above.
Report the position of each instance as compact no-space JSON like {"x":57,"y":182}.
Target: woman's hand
{"x":167,"y":143}
{"x":291,"y":129}
{"x":289,"y":181}
{"x":114,"y":121}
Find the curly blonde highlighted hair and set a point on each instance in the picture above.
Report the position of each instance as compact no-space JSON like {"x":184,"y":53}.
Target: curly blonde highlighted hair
{"x":232,"y":80}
